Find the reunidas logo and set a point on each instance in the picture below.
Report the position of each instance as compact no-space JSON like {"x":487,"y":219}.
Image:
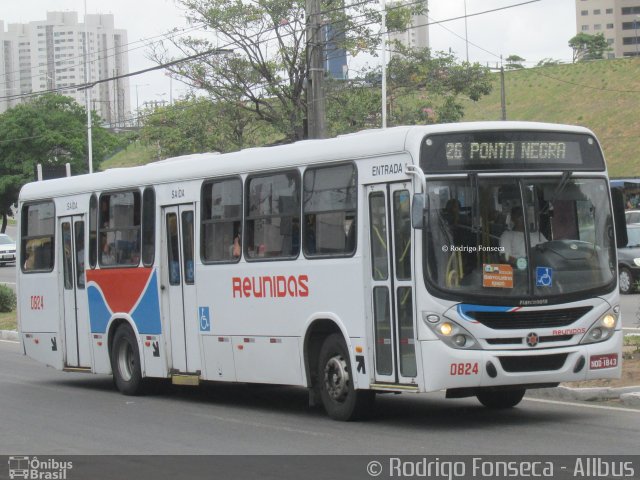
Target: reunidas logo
{"x":35,"y":469}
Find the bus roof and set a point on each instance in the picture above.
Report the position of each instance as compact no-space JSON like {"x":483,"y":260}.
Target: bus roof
{"x":367,"y":143}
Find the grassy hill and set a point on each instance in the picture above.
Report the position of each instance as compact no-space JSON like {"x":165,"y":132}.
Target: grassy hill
{"x":601,"y":95}
{"x":135,"y":154}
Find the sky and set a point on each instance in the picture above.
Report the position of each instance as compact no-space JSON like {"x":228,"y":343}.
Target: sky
{"x":534,"y":31}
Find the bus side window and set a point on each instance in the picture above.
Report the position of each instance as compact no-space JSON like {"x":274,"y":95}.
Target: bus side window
{"x":329,"y":211}
{"x":120,"y":229}
{"x":38,"y":231}
{"x":221,"y":219}
{"x":93,"y":231}
{"x":272,"y":224}
{"x":148,"y":226}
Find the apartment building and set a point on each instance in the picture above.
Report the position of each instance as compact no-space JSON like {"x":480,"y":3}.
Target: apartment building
{"x":617,"y":20}
{"x":417,"y":34}
{"x":50,"y":54}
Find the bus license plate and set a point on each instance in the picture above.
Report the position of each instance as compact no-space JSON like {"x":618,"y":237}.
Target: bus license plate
{"x":609,"y":360}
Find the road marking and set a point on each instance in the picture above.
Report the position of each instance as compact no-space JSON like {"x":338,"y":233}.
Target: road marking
{"x":8,"y":341}
{"x":573,"y":404}
{"x":8,"y":283}
{"x":632,"y":328}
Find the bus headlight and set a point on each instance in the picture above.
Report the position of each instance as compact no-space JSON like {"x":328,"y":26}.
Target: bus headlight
{"x":451,"y":333}
{"x":445,"y":329}
{"x":602,"y":329}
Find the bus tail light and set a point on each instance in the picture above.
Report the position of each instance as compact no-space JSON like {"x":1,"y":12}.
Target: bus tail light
{"x":602,"y":329}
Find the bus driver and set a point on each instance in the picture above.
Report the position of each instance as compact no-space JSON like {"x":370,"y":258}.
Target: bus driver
{"x":512,"y":241}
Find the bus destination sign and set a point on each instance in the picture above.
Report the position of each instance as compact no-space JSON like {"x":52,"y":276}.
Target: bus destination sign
{"x":509,"y":150}
{"x":518,"y":150}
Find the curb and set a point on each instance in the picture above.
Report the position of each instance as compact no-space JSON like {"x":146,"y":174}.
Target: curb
{"x":631,"y":399}
{"x":9,"y":335}
{"x":593,"y":394}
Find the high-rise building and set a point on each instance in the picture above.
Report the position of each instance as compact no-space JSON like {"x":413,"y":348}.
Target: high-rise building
{"x":50,"y":54}
{"x":336,"y":55}
{"x":417,"y":34}
{"x":618,"y":20}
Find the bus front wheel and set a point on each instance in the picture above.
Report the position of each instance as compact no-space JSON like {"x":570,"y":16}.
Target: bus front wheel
{"x":125,"y":362}
{"x":500,"y":399}
{"x":340,"y":399}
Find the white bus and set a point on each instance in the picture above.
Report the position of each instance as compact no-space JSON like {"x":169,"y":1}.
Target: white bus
{"x":383,"y":261}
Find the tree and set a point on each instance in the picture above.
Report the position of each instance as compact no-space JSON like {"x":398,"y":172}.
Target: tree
{"x":267,"y":71}
{"x":197,"y":124}
{"x":514,"y":62}
{"x":352,"y":106}
{"x":588,"y":47}
{"x":548,"y":62}
{"x":50,"y":130}
{"x":442,"y":79}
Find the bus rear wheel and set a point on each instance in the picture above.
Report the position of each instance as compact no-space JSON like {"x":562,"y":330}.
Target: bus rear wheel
{"x":340,"y":399}
{"x":125,"y":362}
{"x":501,"y":399}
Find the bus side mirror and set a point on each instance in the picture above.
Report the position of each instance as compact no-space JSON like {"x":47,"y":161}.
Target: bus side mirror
{"x":618,"y":217}
{"x":418,"y":207}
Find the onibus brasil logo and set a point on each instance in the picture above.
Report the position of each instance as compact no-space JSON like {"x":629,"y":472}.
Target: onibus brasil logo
{"x":33,"y":468}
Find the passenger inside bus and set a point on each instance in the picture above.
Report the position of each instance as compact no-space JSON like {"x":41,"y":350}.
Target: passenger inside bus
{"x":512,"y":241}
{"x":236,"y":249}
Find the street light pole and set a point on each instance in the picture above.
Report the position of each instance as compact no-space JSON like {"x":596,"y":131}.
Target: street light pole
{"x":87,"y":91}
{"x":384,"y":63}
{"x":466,"y":34}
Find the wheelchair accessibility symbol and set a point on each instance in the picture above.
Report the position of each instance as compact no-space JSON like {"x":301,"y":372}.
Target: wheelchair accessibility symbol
{"x":205,"y":319}
{"x":544,"y":276}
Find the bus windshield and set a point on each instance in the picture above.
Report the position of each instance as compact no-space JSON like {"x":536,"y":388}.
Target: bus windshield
{"x":525,"y":238}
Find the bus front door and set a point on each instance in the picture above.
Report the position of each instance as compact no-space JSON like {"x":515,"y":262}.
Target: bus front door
{"x":178,"y":285}
{"x":392,"y":283}
{"x":76,"y":318}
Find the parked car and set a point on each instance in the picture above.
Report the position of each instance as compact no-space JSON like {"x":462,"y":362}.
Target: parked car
{"x":7,"y":249}
{"x":632,"y":216}
{"x":629,"y":261}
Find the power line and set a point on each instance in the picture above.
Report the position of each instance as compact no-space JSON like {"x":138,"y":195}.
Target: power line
{"x":85,"y":85}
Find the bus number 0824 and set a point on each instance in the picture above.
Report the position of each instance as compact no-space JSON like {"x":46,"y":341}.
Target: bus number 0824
{"x":463,"y":369}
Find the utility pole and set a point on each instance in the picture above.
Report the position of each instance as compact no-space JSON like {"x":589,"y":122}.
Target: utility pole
{"x":316,"y":113}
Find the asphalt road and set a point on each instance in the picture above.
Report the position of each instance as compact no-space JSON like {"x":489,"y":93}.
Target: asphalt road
{"x":52,"y":412}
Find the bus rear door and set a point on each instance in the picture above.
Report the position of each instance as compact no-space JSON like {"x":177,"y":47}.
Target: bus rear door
{"x":391,"y":279}
{"x":178,"y":285}
{"x":76,"y":316}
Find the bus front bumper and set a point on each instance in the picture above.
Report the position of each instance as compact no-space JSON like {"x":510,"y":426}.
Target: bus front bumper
{"x":448,"y":368}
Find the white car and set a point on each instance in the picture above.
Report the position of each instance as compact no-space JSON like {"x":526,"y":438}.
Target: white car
{"x":7,"y":249}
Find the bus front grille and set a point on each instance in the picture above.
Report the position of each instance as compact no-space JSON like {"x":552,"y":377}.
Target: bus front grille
{"x":529,"y":319}
{"x":533,"y":363}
